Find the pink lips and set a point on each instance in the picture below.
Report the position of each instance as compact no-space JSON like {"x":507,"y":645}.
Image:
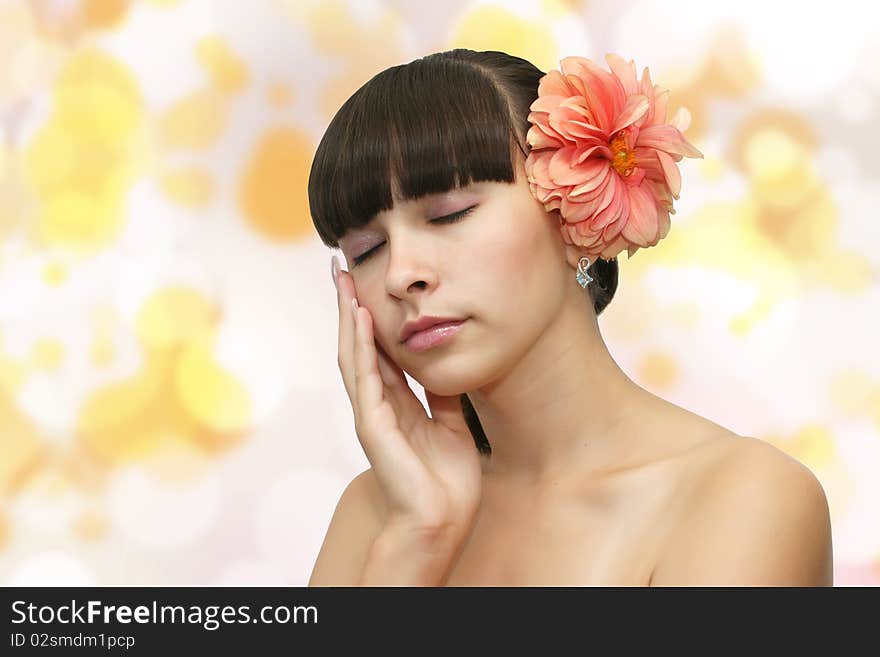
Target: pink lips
{"x":433,"y":336}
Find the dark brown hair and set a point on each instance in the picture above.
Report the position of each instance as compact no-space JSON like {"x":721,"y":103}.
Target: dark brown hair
{"x":439,"y":122}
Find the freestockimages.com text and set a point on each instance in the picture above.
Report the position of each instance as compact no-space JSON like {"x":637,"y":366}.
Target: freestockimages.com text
{"x":209,"y":616}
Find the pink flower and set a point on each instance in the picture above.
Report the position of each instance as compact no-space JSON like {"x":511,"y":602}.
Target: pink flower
{"x":603,"y":155}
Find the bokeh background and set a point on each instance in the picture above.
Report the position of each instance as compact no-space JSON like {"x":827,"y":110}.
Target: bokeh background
{"x":171,"y":411}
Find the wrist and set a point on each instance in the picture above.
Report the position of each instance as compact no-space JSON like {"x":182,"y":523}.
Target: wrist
{"x":427,"y":537}
{"x":407,"y":555}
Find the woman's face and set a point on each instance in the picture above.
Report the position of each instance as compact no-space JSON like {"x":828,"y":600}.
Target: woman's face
{"x":502,"y":266}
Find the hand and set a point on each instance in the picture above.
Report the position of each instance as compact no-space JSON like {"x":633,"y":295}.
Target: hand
{"x":428,"y":467}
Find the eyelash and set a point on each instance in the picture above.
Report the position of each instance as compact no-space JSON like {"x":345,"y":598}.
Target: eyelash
{"x":448,"y":219}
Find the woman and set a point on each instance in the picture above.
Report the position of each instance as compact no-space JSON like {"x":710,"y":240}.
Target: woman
{"x":542,"y":462}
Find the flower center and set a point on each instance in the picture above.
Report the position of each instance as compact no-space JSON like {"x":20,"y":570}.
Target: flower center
{"x":624,"y":160}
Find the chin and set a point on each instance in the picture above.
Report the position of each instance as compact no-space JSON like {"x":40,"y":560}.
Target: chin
{"x":447,"y":378}
{"x":439,"y":384}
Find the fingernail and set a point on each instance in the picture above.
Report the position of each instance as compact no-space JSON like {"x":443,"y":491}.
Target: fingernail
{"x":334,"y":270}
{"x":354,"y":307}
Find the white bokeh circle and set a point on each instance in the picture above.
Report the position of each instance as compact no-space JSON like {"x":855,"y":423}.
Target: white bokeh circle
{"x":161,"y":514}
{"x":52,"y":568}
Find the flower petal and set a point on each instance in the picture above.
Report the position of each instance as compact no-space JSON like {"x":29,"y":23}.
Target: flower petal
{"x":580,"y":130}
{"x":647,"y":162}
{"x":670,"y":172}
{"x":664,"y":223}
{"x":578,"y":109}
{"x":613,"y":210}
{"x":594,"y":151}
{"x":658,"y":108}
{"x":540,"y":122}
{"x":636,"y":107}
{"x":579,"y":105}
{"x":538,"y":168}
{"x":612,"y":250}
{"x":682,"y":119}
{"x":625,"y":72}
{"x":603,"y":91}
{"x":635,"y":178}
{"x":614,"y":228}
{"x":537,"y":138}
{"x":547,"y":103}
{"x":595,"y":172}
{"x":574,"y":213}
{"x":554,"y":84}
{"x":641,"y":228}
{"x":610,"y":189}
{"x":563,"y":171}
{"x":667,"y":138}
{"x":567,"y":121}
{"x":645,"y":84}
{"x":579,"y":208}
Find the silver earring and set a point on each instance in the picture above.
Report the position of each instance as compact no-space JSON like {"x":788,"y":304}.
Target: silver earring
{"x":583,"y":278}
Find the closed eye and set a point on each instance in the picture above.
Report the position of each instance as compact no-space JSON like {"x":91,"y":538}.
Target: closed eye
{"x":447,"y":219}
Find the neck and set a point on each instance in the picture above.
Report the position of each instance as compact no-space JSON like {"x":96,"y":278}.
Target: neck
{"x":564,"y":406}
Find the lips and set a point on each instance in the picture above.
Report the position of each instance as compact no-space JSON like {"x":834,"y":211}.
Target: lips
{"x":433,"y":336}
{"x":424,"y":323}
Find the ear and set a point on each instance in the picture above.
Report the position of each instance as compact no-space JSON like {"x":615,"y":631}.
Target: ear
{"x":573,"y":254}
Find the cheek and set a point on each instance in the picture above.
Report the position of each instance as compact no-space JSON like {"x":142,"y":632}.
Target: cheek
{"x":524,"y":259}
{"x":384,"y":331}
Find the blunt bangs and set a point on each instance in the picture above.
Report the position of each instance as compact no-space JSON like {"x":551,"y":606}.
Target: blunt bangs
{"x":425,"y":127}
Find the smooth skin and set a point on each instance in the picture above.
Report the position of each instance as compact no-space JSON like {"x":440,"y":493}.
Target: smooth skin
{"x":755,"y":516}
{"x":427,"y":467}
{"x":592,"y":479}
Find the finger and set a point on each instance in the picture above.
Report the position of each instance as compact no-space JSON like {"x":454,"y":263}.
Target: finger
{"x":409,"y":408}
{"x":376,"y":420}
{"x":345,"y":346}
{"x":367,"y":380}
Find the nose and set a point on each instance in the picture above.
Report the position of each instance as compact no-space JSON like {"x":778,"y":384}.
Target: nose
{"x":410,"y":271}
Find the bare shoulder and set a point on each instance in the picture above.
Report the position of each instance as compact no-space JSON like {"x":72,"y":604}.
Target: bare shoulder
{"x":756,"y":517}
{"x":365,"y":487}
{"x":751,"y":468}
{"x":357,"y":520}
{"x":746,"y":462}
